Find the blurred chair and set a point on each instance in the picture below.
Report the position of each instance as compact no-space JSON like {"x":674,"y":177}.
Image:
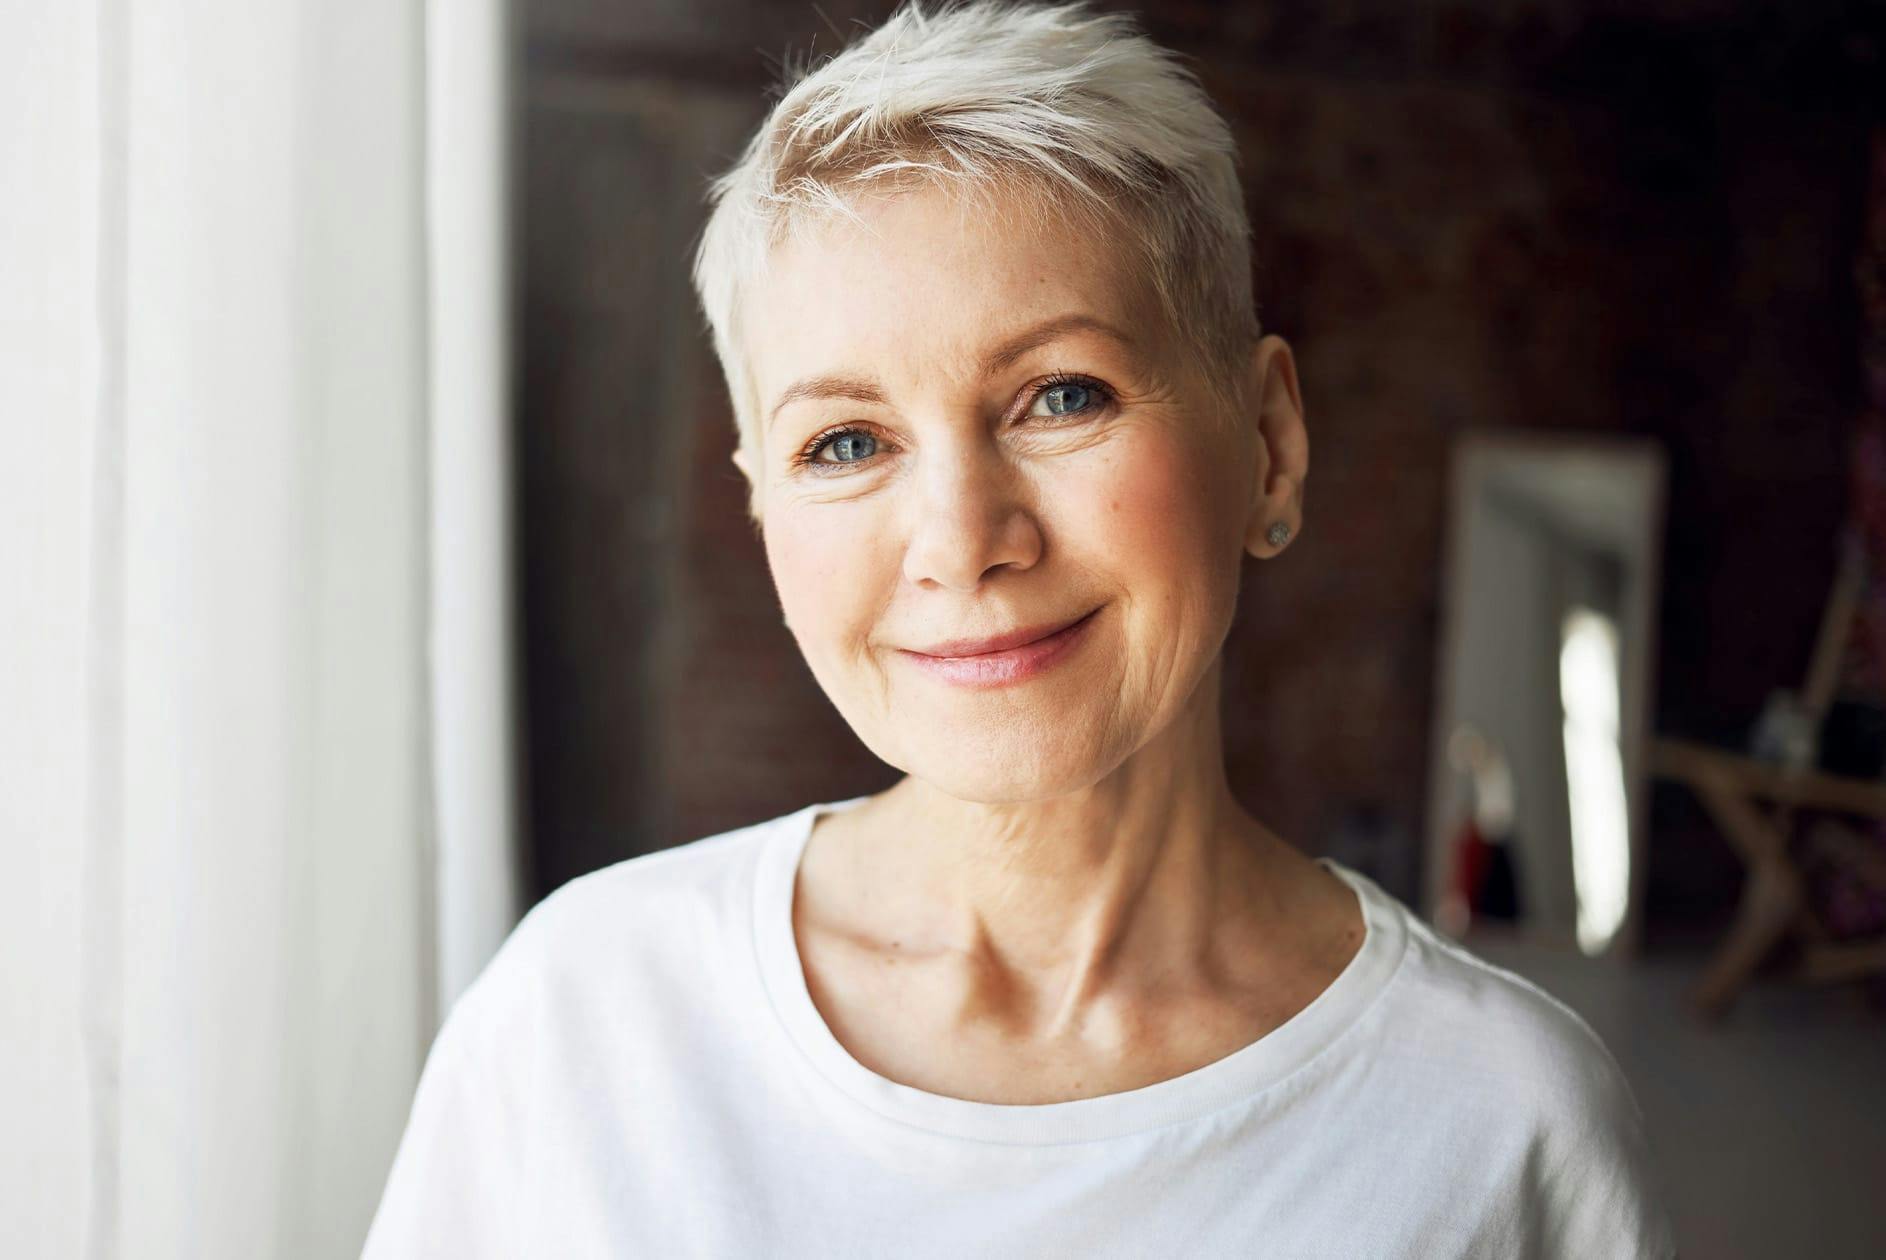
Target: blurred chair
{"x":1733,"y":787}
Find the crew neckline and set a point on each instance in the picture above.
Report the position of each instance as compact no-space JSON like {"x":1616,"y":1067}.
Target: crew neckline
{"x":1242,"y":1074}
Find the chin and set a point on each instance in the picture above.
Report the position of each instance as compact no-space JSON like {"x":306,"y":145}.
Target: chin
{"x":1008,"y":768}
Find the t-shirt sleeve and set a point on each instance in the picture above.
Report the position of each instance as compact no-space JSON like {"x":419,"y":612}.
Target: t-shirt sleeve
{"x":453,"y":1190}
{"x":1595,"y":1184}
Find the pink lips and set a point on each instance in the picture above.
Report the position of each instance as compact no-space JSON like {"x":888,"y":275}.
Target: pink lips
{"x":1003,"y":659}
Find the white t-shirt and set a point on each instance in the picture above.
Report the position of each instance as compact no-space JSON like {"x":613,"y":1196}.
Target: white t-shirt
{"x":642,"y":1072}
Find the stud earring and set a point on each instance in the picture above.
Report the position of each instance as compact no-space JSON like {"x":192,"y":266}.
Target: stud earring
{"x":1278,"y":534}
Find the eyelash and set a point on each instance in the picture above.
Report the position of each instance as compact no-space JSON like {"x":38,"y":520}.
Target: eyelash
{"x":808,"y":456}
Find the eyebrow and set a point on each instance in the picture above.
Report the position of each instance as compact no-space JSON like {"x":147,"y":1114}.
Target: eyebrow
{"x":861,"y":390}
{"x":856,"y":388}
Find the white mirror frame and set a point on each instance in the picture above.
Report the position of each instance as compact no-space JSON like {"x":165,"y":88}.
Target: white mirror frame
{"x":1634,"y":471}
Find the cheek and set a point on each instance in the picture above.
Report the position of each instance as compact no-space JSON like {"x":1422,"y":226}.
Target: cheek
{"x":827,"y":574}
{"x":1158,"y":509}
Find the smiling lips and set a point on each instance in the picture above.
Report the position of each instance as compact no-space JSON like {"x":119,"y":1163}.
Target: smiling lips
{"x":1002,"y":659}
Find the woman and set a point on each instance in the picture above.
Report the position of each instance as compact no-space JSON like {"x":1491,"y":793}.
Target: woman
{"x":981,"y":288}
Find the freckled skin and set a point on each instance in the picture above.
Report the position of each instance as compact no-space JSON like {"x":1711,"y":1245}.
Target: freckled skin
{"x":1074,"y":901}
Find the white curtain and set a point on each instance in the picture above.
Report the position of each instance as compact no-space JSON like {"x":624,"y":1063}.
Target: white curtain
{"x":254,"y":716}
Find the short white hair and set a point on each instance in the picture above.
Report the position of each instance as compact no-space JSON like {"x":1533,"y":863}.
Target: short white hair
{"x":1100,"y":122}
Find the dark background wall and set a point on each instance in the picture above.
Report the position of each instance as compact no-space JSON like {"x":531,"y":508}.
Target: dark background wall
{"x":1468,"y":214}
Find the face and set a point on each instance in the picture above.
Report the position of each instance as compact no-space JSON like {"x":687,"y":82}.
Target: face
{"x":974,"y":432}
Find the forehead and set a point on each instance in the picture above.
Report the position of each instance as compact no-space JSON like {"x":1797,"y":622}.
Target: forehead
{"x":924,"y":282}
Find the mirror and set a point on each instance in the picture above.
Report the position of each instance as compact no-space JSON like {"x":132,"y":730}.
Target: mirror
{"x":1537,"y":791}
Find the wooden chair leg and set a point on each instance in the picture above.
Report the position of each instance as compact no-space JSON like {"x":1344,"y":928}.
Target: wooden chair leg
{"x":1771,"y":901}
{"x":1772,"y":896}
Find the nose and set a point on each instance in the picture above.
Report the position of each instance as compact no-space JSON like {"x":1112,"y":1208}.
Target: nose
{"x":969,"y":514}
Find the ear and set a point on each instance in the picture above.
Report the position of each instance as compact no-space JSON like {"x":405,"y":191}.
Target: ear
{"x":744,"y":463}
{"x":1281,"y":453}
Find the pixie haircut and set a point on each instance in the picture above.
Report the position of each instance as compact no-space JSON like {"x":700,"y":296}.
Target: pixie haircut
{"x":1106,"y":129}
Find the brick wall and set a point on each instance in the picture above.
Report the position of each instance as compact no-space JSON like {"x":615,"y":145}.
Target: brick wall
{"x":1635,"y":217}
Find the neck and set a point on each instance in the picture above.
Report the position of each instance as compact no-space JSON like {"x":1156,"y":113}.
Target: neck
{"x":1117,"y":887}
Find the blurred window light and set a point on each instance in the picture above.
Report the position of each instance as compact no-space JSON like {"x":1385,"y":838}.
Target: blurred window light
{"x":1594,"y":775}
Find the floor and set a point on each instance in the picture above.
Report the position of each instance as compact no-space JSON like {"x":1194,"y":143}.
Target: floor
{"x":1770,"y":1128}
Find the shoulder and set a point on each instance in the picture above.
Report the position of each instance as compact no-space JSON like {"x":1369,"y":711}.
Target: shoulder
{"x":660,"y":918}
{"x":1510,"y":1072}
{"x":1446,"y":1005}
{"x":1449,"y":1005}
{"x":570,"y":987}
{"x":1481,"y":1062}
{"x":700,"y":877}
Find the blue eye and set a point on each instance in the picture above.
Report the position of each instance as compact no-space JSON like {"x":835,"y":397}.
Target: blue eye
{"x":1066,"y":400}
{"x":1065,"y":396}
{"x":845,"y":446}
{"x":849,"y":448}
